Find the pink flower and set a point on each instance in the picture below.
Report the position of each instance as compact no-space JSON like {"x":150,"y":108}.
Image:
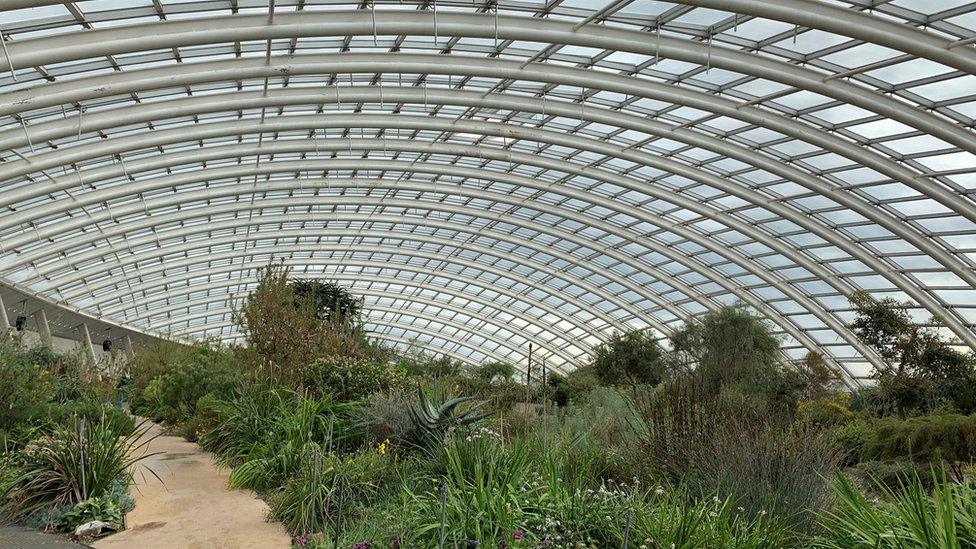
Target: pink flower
{"x":518,"y":535}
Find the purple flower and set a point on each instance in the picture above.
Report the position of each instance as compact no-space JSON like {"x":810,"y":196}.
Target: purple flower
{"x":300,"y":540}
{"x":518,"y":535}
{"x":361,"y":545}
{"x":471,"y":543}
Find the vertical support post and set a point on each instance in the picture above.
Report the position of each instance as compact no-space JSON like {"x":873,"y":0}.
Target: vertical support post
{"x":84,"y":336}
{"x":4,"y":319}
{"x":43,"y":328}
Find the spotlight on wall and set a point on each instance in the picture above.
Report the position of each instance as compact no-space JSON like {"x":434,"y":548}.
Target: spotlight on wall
{"x":20,"y":323}
{"x":107,"y":345}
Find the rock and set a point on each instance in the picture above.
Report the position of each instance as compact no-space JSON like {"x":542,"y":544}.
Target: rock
{"x":93,"y":529}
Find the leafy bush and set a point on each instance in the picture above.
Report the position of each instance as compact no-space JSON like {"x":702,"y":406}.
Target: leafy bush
{"x":74,"y":464}
{"x":388,"y":417}
{"x":763,"y":466}
{"x":268,"y":433}
{"x":96,"y":508}
{"x":825,"y":411}
{"x":172,"y":395}
{"x":328,"y":491}
{"x":948,"y":437}
{"x":634,"y":358}
{"x":26,"y":388}
{"x":115,"y":420}
{"x":908,"y":517}
{"x":347,"y":378}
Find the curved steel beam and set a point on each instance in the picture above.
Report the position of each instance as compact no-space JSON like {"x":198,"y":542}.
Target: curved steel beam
{"x":550,"y":346}
{"x":747,"y":297}
{"x":870,"y":212}
{"x":151,"y":286}
{"x":411,"y":283}
{"x":127,"y":82}
{"x":88,"y":43}
{"x":254,"y":265}
{"x":283,"y":249}
{"x":408,"y":343}
{"x":807,"y":13}
{"x":529,"y":159}
{"x":854,"y":24}
{"x":185,"y":247}
{"x":408,"y":313}
{"x":273,"y":167}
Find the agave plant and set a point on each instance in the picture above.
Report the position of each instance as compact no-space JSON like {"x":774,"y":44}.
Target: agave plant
{"x":433,"y":424}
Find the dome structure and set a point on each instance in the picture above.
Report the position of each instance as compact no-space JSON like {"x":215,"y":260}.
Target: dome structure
{"x":490,"y":175}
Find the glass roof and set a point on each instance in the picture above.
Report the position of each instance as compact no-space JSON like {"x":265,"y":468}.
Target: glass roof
{"x":494,"y":174}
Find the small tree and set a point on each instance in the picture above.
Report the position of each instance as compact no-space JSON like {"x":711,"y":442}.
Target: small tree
{"x":729,"y":345}
{"x":490,"y":371}
{"x":920,"y":368}
{"x":632,"y":358}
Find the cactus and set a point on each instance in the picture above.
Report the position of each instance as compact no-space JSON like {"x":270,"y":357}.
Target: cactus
{"x":432,"y":424}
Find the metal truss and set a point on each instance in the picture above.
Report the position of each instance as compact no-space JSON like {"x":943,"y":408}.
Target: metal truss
{"x":488,"y":175}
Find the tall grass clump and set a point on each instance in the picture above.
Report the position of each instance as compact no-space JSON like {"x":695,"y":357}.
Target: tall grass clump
{"x":73,"y":464}
{"x":908,"y":517}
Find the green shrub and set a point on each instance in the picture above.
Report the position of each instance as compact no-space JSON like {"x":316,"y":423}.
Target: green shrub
{"x":172,"y":396}
{"x":73,"y":464}
{"x":851,"y":438}
{"x":95,"y":508}
{"x":949,"y":437}
{"x":824,"y":411}
{"x":266,"y":434}
{"x":328,"y":491}
{"x":633,"y":358}
{"x":762,"y":465}
{"x":388,"y":417}
{"x":26,"y":389}
{"x":348,"y":379}
{"x":908,"y":517}
{"x":115,"y":420}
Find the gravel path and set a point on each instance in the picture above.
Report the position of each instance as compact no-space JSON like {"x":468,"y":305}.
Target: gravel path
{"x":192,"y":507}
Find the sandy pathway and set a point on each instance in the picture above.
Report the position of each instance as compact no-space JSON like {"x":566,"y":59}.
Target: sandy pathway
{"x":192,"y":508}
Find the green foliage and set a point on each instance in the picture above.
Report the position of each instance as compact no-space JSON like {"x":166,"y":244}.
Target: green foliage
{"x":826,"y":411}
{"x":101,"y":508}
{"x":285,"y":327}
{"x":631,"y":358}
{"x":921,"y":370}
{"x":330,"y":301}
{"x":934,"y":438}
{"x":268,"y":433}
{"x":115,"y":420}
{"x":26,"y":388}
{"x":715,"y":446}
{"x":491,"y":371}
{"x":433,"y":423}
{"x":172,"y":395}
{"x":328,"y":492}
{"x":347,"y":378}
{"x":73,"y":464}
{"x":388,"y":417}
{"x":728,"y":346}
{"x":907,"y":517}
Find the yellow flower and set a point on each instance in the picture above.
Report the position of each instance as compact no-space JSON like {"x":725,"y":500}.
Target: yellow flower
{"x":382,"y":447}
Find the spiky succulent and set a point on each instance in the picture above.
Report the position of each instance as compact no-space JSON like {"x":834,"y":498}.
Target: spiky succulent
{"x":432,"y":424}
